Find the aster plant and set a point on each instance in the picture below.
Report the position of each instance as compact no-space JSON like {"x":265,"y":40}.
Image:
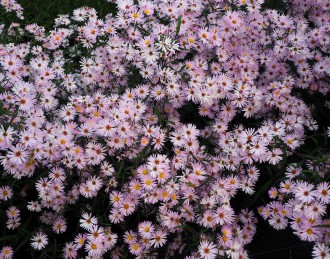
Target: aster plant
{"x":164,"y":131}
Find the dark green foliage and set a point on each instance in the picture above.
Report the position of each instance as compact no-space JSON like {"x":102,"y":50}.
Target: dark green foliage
{"x":44,"y":12}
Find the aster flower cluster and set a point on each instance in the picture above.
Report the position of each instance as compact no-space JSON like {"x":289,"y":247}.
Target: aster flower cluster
{"x":96,"y":130}
{"x":301,"y":205}
{"x":13,"y":6}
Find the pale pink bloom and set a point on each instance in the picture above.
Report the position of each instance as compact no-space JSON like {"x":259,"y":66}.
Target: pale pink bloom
{"x":158,"y":238}
{"x":10,"y":62}
{"x":126,"y":207}
{"x":207,"y":250}
{"x":6,"y":193}
{"x":223,"y":216}
{"x":273,"y":193}
{"x":13,"y":222}
{"x":59,"y":226}
{"x":274,"y":156}
{"x":34,"y":206}
{"x":253,"y":172}
{"x":198,"y":171}
{"x":234,"y":249}
{"x":146,"y":229}
{"x":12,"y":212}
{"x":96,"y":234}
{"x":304,"y":192}
{"x":278,"y":222}
{"x":94,"y":248}
{"x":287,"y":186}
{"x":189,"y":132}
{"x":88,"y":221}
{"x":315,"y":210}
{"x":135,"y":15}
{"x":6,"y":252}
{"x":150,"y":55}
{"x":159,"y":140}
{"x":323,"y":192}
{"x":18,"y":154}
{"x":39,"y":241}
{"x":57,"y":174}
{"x":247,"y":135}
{"x":67,"y":113}
{"x":246,"y":216}
{"x":86,"y":191}
{"x":292,"y":171}
{"x":105,"y":128}
{"x":292,"y":141}
{"x":177,"y":138}
{"x":130,"y":237}
{"x":247,"y":185}
{"x":80,"y":240}
{"x":79,"y":14}
{"x":321,"y":251}
{"x":258,"y":148}
{"x":148,"y":182}
{"x":309,"y":233}
{"x":135,"y":248}
{"x":94,"y":183}
{"x":207,"y":219}
{"x":234,"y":19}
{"x":91,"y":32}
{"x":111,"y":239}
{"x":170,"y":219}
{"x":95,"y":153}
{"x":70,"y":250}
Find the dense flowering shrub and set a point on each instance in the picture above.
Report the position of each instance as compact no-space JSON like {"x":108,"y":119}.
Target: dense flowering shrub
{"x":133,"y":135}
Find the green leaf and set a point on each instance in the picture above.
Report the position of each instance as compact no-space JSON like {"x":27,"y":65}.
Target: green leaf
{"x":179,"y":25}
{"x":8,"y":237}
{"x":143,"y":154}
{"x":322,"y":226}
{"x":184,"y":226}
{"x":309,"y":171}
{"x":322,"y":159}
{"x":24,"y":241}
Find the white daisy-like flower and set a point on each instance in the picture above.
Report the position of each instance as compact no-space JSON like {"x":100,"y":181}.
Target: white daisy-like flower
{"x":166,"y":44}
{"x":321,"y":251}
{"x":39,"y":241}
{"x":207,"y":250}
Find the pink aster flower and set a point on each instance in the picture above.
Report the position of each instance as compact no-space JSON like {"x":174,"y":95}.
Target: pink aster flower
{"x":309,"y":233}
{"x":278,"y":222}
{"x":96,"y":234}
{"x":39,"y":241}
{"x":304,"y":192}
{"x":208,"y":220}
{"x":94,"y":248}
{"x":70,"y":250}
{"x":127,"y":207}
{"x":323,"y":192}
{"x":146,"y":229}
{"x":59,"y":225}
{"x":207,"y":250}
{"x":158,"y":238}
{"x":88,"y":221}
{"x":321,"y":251}
{"x":18,"y":154}
{"x":274,"y":156}
{"x":6,"y":252}
{"x":136,"y":248}
{"x":5,"y":193}
{"x":223,"y":216}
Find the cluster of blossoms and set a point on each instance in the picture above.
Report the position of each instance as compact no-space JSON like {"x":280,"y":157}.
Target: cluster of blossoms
{"x":93,"y":126}
{"x":302,"y":205}
{"x":13,"y":6}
